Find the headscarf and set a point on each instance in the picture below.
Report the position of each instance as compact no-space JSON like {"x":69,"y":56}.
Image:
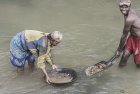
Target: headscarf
{"x":57,"y":36}
{"x":125,"y":2}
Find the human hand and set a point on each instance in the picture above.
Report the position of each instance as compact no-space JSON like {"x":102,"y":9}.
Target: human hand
{"x":54,"y":66}
{"x":47,"y":79}
{"x":118,"y":53}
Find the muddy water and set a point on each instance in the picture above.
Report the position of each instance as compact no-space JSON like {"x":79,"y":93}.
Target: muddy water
{"x":91,"y":29}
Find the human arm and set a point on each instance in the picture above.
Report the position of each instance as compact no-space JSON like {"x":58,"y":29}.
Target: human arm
{"x":46,"y":75}
{"x":42,"y":53}
{"x":42,"y":58}
{"x":42,"y":66}
{"x":49,"y":60}
{"x":124,"y":36}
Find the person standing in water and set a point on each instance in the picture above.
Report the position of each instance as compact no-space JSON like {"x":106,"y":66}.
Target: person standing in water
{"x":32,"y":45}
{"x":130,"y":39}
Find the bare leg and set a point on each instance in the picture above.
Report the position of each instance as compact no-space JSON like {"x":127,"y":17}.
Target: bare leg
{"x":124,"y":58}
{"x":31,"y":66}
{"x":20,"y":70}
{"x":138,"y":65}
{"x":31,"y":61}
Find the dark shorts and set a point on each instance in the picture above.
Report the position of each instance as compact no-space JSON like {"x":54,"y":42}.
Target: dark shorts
{"x":18,"y":51}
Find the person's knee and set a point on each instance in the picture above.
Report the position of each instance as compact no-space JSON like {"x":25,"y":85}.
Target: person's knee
{"x":126,"y":54}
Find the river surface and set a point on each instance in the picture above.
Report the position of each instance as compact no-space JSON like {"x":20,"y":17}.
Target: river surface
{"x":91,"y":29}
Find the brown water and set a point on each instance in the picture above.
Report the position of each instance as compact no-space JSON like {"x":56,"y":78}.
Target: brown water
{"x":91,"y":28}
{"x":60,"y":78}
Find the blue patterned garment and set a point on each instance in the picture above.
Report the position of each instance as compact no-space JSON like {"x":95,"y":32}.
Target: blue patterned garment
{"x":18,"y":51}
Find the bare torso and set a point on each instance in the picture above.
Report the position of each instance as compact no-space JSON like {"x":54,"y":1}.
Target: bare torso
{"x":135,"y":27}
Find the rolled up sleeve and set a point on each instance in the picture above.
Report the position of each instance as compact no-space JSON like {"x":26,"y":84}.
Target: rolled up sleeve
{"x":48,"y":59}
{"x":44,"y":58}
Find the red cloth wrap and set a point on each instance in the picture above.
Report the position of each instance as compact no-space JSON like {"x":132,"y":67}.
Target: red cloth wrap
{"x":133,"y":46}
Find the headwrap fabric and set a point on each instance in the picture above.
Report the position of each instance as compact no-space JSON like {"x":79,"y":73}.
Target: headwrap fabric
{"x":125,"y":2}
